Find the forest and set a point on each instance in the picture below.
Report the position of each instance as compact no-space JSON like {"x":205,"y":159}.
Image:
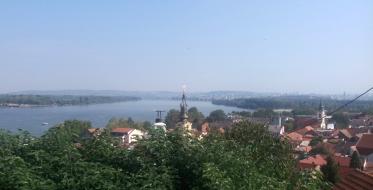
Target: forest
{"x":60,"y":100}
{"x":298,"y":103}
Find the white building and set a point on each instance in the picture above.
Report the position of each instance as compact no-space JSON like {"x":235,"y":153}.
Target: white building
{"x":159,"y":124}
{"x":127,"y":135}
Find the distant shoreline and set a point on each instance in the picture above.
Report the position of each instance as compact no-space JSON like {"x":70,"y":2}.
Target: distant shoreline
{"x":32,"y":101}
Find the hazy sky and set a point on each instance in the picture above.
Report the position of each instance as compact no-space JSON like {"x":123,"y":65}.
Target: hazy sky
{"x":266,"y":46}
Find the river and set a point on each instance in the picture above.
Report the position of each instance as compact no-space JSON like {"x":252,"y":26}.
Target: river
{"x":31,"y":119}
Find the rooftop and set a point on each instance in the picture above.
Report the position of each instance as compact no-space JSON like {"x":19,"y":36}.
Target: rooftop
{"x":365,"y":144}
{"x":121,"y":130}
{"x":356,"y":180}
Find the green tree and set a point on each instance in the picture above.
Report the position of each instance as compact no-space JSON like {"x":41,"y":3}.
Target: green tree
{"x":330,"y":170}
{"x":217,"y":115}
{"x":196,"y":117}
{"x":172,"y":118}
{"x":342,"y":120}
{"x":266,"y":113}
{"x":126,"y":123}
{"x":355,"y":160}
{"x":247,"y":156}
{"x":315,"y":141}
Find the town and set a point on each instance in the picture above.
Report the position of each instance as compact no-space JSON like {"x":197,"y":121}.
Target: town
{"x":186,"y":95}
{"x":316,"y":140}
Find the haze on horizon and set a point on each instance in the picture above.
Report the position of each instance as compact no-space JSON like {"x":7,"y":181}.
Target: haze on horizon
{"x":263,"y":46}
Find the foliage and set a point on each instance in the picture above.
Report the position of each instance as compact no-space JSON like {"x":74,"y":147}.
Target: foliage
{"x":61,"y":100}
{"x":245,"y":157}
{"x":267,"y":113}
{"x":315,"y":141}
{"x":355,"y":160}
{"x":217,"y":115}
{"x":311,"y":179}
{"x":127,"y":123}
{"x":242,"y":113}
{"x":172,"y":117}
{"x":320,"y":149}
{"x":297,"y":103}
{"x":196,"y":117}
{"x":304,"y":111}
{"x":342,"y":120}
{"x":330,"y":170}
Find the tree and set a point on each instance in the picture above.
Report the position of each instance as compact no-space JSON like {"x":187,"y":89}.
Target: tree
{"x":127,"y":123}
{"x":147,"y":125}
{"x":342,"y":120}
{"x":320,"y":149}
{"x":330,"y":170}
{"x":267,"y":113}
{"x":315,"y":141}
{"x":196,"y":117}
{"x":172,"y":118}
{"x":355,"y":160}
{"x":217,"y":115}
{"x":247,"y":156}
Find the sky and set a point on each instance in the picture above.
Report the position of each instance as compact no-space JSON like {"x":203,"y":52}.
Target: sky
{"x":296,"y":46}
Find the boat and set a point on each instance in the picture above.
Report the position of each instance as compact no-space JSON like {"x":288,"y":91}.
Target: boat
{"x":45,"y":123}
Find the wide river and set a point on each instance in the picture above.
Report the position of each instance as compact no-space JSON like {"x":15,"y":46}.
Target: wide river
{"x":31,"y":119}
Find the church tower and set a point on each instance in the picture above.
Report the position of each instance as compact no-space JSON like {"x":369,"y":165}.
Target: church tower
{"x":183,"y":122}
{"x":322,"y":116}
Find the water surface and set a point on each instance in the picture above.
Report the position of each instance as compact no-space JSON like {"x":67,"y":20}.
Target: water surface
{"x":31,"y":119}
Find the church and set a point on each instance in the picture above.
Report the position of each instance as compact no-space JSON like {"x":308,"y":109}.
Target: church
{"x":183,"y":120}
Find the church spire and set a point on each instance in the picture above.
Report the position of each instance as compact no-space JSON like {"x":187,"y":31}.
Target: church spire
{"x":183,"y":108}
{"x":184,"y":123}
{"x":322,"y":115}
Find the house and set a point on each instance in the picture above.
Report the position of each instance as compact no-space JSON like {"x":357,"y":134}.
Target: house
{"x":365,"y":144}
{"x":365,"y":148}
{"x":307,"y":131}
{"x":355,"y":180}
{"x":344,"y":165}
{"x":303,"y":149}
{"x":362,"y":122}
{"x":305,"y":120}
{"x":312,"y":162}
{"x":295,"y":137}
{"x":127,"y":135}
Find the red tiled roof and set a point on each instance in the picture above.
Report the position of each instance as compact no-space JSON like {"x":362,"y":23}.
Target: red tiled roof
{"x":121,"y":130}
{"x":365,"y":144}
{"x":330,"y":147}
{"x":356,"y":180}
{"x":312,"y":162}
{"x":342,"y":160}
{"x":294,"y":136}
{"x":306,"y":121}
